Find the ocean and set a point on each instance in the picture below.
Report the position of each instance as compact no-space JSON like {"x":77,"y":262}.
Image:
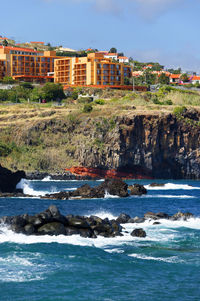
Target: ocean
{"x":165,"y":265}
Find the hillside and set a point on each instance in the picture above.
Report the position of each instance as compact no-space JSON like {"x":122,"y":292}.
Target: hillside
{"x":126,"y":133}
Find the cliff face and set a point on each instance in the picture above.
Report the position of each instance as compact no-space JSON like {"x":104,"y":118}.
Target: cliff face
{"x":157,"y":146}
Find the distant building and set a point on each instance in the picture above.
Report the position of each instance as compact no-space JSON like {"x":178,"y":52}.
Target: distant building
{"x":93,"y":70}
{"x":123,"y":59}
{"x":175,"y":78}
{"x":195,"y":80}
{"x":113,"y":56}
{"x":27,"y":64}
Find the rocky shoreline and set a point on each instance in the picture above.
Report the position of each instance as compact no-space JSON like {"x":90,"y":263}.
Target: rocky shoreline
{"x":52,"y":222}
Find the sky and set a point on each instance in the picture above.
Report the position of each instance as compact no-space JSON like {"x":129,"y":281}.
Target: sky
{"x":164,"y":31}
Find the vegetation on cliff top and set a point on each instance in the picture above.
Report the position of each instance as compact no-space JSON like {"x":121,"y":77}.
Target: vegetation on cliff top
{"x":44,"y":137}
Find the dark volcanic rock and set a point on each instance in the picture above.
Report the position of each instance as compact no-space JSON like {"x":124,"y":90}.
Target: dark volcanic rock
{"x":115,"y":187}
{"x":155,"y":216}
{"x":138,"y":233}
{"x":52,"y":229}
{"x":52,"y":222}
{"x":86,"y":191}
{"x":78,"y":223}
{"x":9,"y":179}
{"x":181,"y":216}
{"x":137,"y":220}
{"x":137,"y":189}
{"x":123,"y":218}
{"x":157,"y":184}
{"x":62,"y":195}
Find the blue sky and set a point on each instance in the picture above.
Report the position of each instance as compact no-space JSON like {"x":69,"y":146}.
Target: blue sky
{"x":166,"y":31}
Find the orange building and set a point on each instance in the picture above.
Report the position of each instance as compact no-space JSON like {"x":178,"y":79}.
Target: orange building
{"x":2,"y":68}
{"x":94,"y":70}
{"x":28,"y":64}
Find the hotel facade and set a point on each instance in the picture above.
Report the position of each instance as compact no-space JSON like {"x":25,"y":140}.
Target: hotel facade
{"x":27,"y":64}
{"x":93,"y":70}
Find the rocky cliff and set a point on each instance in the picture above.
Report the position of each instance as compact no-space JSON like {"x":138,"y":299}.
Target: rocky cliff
{"x":152,"y":145}
{"x":162,"y":146}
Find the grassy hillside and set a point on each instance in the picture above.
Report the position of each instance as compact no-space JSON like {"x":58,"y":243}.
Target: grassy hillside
{"x":44,"y":136}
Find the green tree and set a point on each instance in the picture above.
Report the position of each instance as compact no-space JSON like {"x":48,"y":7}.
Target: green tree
{"x":5,"y":43}
{"x":8,"y":80}
{"x":175,"y":71}
{"x":163,"y":79}
{"x":51,"y":91}
{"x":184,"y":77}
{"x":113,"y":50}
{"x":3,"y":95}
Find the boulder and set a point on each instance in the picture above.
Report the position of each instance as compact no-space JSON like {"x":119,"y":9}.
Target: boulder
{"x":115,"y":187}
{"x":181,"y":216}
{"x":9,"y":179}
{"x":137,"y":189}
{"x":137,"y":220}
{"x":123,"y":218}
{"x":78,"y":223}
{"x":29,"y":229}
{"x":86,"y":191}
{"x":62,"y":195}
{"x":157,"y":184}
{"x":138,"y":233}
{"x":155,"y":216}
{"x":52,"y":229}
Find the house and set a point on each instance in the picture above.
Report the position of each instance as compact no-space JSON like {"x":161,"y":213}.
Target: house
{"x":113,"y":56}
{"x":175,"y":78}
{"x":123,"y":59}
{"x":195,"y":80}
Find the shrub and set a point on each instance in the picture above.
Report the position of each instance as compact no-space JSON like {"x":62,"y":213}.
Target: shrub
{"x":168,"y":102}
{"x":6,"y":149}
{"x":100,"y":101}
{"x":74,"y":95}
{"x":8,"y":80}
{"x":87,"y":108}
{"x":85,"y":100}
{"x":156,"y":101}
{"x":26,"y":85}
{"x":178,"y":111}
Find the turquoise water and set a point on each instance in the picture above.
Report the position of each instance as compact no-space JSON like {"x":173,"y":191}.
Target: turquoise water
{"x":163,"y":266}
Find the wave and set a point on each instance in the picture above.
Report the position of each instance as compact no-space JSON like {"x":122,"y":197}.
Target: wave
{"x":110,"y":196}
{"x":46,"y":179}
{"x":23,"y":268}
{"x":25,"y":185}
{"x":173,"y":259}
{"x":172,"y":186}
{"x":168,"y":196}
{"x":104,"y":214}
{"x":164,"y":232}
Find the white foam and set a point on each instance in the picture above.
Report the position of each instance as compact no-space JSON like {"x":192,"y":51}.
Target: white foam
{"x":172,"y":186}
{"x":119,"y":251}
{"x":47,"y":179}
{"x":164,"y":232}
{"x":167,"y":196}
{"x":173,"y":259}
{"x":110,"y":196}
{"x":25,"y":185}
{"x":21,"y":268}
{"x":103,"y":214}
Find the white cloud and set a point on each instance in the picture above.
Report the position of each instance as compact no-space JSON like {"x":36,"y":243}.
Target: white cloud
{"x":147,"y":8}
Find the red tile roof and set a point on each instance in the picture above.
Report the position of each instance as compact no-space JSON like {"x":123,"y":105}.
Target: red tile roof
{"x":175,"y":75}
{"x":196,"y":77}
{"x":21,"y":49}
{"x":122,"y":57}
